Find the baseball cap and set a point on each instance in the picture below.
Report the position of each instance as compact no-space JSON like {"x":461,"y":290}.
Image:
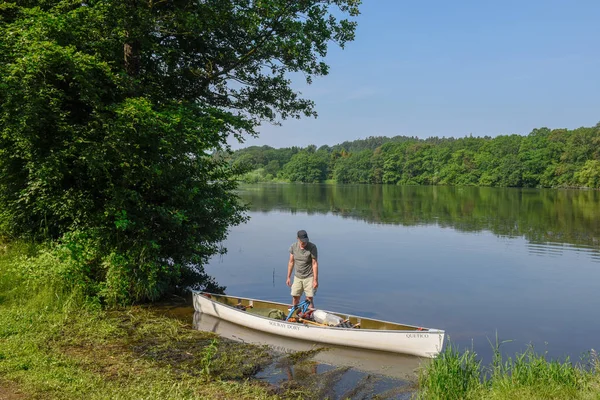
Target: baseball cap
{"x":303,"y":236}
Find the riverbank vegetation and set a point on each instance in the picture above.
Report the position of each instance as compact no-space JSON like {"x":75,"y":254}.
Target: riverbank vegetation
{"x":544,"y":158}
{"x":460,"y":375}
{"x":55,"y":345}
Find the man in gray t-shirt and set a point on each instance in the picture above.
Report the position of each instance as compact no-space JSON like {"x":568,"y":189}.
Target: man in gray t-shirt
{"x":303,"y":258}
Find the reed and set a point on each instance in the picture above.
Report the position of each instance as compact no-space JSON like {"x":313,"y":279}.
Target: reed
{"x":528,"y":375}
{"x":451,"y":375}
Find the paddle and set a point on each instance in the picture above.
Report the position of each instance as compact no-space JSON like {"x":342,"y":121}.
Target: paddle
{"x":307,"y":321}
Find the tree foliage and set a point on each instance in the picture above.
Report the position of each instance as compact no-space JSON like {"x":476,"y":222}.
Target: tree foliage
{"x":544,"y":158}
{"x":111,"y":112}
{"x":306,"y":167}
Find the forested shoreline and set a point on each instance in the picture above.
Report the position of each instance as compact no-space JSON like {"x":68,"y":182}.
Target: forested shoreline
{"x":544,"y":158}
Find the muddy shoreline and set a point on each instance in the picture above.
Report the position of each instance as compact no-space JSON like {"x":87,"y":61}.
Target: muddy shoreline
{"x":318,"y":371}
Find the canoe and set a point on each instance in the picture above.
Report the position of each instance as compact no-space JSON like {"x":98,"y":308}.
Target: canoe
{"x":370,"y":333}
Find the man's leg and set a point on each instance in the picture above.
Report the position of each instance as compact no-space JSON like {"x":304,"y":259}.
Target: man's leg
{"x":297,"y":290}
{"x":309,"y":291}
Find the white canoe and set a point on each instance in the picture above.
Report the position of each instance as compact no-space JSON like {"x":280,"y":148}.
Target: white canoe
{"x":373,"y":333}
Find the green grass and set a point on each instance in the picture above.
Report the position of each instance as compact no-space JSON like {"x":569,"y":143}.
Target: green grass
{"x":62,"y":353}
{"x":460,"y":375}
{"x":58,"y":347}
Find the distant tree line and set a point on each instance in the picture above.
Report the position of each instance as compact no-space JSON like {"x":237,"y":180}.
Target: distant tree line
{"x":544,"y":158}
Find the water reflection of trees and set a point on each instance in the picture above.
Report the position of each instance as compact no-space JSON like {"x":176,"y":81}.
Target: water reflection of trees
{"x":559,"y":216}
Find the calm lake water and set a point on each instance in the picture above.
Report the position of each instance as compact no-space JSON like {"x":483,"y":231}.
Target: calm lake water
{"x":522,"y":263}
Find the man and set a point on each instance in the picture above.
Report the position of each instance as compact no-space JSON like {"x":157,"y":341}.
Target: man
{"x":303,"y":258}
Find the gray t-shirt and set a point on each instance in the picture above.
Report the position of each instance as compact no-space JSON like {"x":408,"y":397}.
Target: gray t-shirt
{"x":303,"y":259}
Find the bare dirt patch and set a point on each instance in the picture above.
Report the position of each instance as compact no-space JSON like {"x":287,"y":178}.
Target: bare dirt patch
{"x":10,"y":391}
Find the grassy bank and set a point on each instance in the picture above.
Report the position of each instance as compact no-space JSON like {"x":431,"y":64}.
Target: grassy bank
{"x":57,"y":347}
{"x":460,"y":375}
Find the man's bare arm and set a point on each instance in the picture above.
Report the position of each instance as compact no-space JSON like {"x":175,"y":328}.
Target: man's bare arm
{"x":290,"y":269}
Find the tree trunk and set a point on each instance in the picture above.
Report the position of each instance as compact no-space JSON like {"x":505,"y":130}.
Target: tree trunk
{"x":131,"y":55}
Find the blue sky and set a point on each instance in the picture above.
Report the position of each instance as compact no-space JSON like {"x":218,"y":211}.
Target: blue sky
{"x":454,"y":68}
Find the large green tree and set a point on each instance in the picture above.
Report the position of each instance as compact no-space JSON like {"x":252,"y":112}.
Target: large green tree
{"x":111,"y":111}
{"x":306,"y":167}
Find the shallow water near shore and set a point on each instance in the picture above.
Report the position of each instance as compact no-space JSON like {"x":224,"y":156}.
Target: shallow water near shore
{"x":333,"y":371}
